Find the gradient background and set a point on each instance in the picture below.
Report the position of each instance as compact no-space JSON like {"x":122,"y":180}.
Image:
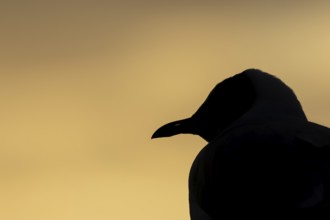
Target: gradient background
{"x":84,"y":84}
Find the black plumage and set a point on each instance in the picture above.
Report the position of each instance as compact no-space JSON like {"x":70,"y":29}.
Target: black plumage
{"x":263,"y":155}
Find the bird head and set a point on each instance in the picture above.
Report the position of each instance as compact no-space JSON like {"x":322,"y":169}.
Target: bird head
{"x":229,"y":100}
{"x":252,"y":93}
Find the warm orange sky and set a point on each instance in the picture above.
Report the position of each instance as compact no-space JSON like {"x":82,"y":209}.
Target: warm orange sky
{"x":84,"y":84}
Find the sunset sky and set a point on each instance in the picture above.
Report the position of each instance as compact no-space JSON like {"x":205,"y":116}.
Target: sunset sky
{"x":84,"y":84}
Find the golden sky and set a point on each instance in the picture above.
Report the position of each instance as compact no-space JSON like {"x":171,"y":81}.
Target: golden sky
{"x":84,"y":84}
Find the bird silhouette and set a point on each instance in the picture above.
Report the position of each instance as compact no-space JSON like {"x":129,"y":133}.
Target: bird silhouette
{"x":262,"y":156}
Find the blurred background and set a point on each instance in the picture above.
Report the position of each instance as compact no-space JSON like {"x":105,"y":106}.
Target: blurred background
{"x":84,"y":84}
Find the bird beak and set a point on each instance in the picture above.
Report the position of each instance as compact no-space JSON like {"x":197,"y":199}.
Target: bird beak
{"x":174,"y":128}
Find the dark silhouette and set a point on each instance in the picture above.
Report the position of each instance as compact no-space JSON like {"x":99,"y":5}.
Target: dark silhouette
{"x":263,"y":156}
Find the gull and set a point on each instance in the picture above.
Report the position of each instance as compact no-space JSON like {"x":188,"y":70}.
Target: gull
{"x":263,"y":155}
